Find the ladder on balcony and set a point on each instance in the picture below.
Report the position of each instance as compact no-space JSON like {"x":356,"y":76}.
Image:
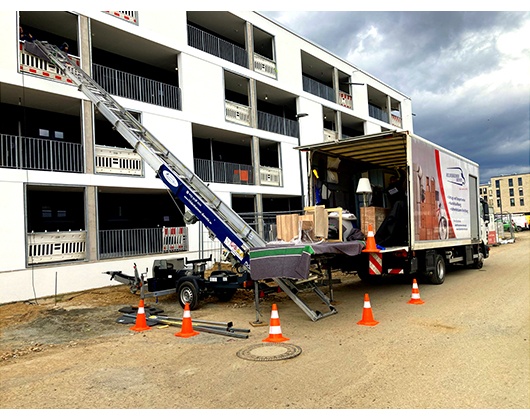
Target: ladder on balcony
{"x":221,"y":221}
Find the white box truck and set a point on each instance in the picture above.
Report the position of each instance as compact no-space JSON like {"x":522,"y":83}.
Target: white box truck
{"x":432,"y":214}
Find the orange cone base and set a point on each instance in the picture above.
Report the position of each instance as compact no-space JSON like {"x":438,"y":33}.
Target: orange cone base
{"x":368,"y":323}
{"x":416,"y":302}
{"x":274,"y":339}
{"x":140,"y":328}
{"x":186,"y":334}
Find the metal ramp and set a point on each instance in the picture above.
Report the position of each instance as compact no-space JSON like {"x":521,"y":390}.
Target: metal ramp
{"x":221,"y":221}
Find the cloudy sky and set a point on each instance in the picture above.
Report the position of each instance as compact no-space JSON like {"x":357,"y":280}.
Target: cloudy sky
{"x":467,"y":73}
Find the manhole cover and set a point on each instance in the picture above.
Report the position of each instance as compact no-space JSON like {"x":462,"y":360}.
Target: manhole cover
{"x":268,"y":352}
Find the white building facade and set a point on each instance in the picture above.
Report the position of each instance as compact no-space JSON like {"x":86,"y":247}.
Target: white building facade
{"x":229,"y":93}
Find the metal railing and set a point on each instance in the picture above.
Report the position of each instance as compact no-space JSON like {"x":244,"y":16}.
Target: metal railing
{"x":276,"y":124}
{"x":131,"y":86}
{"x":319,"y":89}
{"x":396,"y":121}
{"x":49,"y":247}
{"x":116,"y":243}
{"x":377,"y":113}
{"x":223,"y":172}
{"x":214,"y":45}
{"x":40,"y":154}
{"x":263,"y":223}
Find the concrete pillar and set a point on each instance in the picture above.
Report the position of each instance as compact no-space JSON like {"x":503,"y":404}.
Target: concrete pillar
{"x":87,"y":112}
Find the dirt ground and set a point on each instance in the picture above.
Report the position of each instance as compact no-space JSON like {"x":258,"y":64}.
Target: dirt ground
{"x":466,"y":347}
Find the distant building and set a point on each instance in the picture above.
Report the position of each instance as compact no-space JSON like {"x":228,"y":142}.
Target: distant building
{"x":508,"y":193}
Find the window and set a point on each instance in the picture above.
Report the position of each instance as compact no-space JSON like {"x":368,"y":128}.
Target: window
{"x":511,"y":192}
{"x":510,"y":182}
{"x":498,"y":203}
{"x":519,"y":181}
{"x":498,"y":193}
{"x":521,"y":191}
{"x":497,"y":183}
{"x":512,"y":202}
{"x":521,"y":201}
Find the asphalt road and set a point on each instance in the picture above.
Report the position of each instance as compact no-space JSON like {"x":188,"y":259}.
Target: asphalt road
{"x":466,"y":347}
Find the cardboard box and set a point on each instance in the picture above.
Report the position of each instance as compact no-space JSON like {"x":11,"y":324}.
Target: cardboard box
{"x":372,"y":216}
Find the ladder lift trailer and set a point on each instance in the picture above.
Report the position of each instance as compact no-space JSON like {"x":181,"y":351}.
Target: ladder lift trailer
{"x":222,"y":222}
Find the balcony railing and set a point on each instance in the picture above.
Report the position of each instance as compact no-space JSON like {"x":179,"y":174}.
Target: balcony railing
{"x":118,"y":243}
{"x":330,"y":135}
{"x":34,"y":64}
{"x":115,"y":160}
{"x":270,"y":176}
{"x":345,"y":99}
{"x":377,"y":113}
{"x":214,"y":45}
{"x":49,"y":247}
{"x":127,"y":15}
{"x":237,"y":113}
{"x":276,"y":124}
{"x":319,"y":89}
{"x":131,"y":86}
{"x":40,"y":154}
{"x":265,"y":66}
{"x":396,"y":121}
{"x":224,"y":172}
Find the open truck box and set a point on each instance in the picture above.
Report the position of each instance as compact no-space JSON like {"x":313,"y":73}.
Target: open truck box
{"x":437,"y":220}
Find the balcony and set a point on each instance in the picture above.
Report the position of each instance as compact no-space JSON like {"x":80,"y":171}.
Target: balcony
{"x":33,"y":64}
{"x":276,"y":124}
{"x":270,"y":176}
{"x":237,"y":113}
{"x":330,"y":135}
{"x":317,"y":88}
{"x":346,"y":100}
{"x":263,"y":65}
{"x":40,"y":154}
{"x":224,"y":172}
{"x":116,"y":160}
{"x":131,"y":86}
{"x":51,"y":247}
{"x":118,"y":243}
{"x":377,"y":113}
{"x":211,"y":44}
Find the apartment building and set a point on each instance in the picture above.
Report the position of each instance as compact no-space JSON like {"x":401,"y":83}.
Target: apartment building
{"x":229,"y":93}
{"x":508,"y":193}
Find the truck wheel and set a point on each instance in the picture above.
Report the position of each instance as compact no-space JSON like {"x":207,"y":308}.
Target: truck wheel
{"x":479,"y":262}
{"x":438,"y":275}
{"x":225,"y":295}
{"x":188,"y":293}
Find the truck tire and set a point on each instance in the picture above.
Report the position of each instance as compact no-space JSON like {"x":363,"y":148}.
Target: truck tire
{"x":188,"y":293}
{"x":437,"y":276}
{"x":479,"y":262}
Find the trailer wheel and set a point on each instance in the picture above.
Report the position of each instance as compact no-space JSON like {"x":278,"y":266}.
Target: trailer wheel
{"x":438,"y":275}
{"x":188,"y":293}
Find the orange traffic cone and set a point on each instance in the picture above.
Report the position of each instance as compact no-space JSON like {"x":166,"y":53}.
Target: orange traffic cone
{"x":187,"y":327}
{"x":415,"y":298}
{"x":275,"y":330}
{"x":141,"y":321}
{"x":368,"y":318}
{"x":370,"y":241}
